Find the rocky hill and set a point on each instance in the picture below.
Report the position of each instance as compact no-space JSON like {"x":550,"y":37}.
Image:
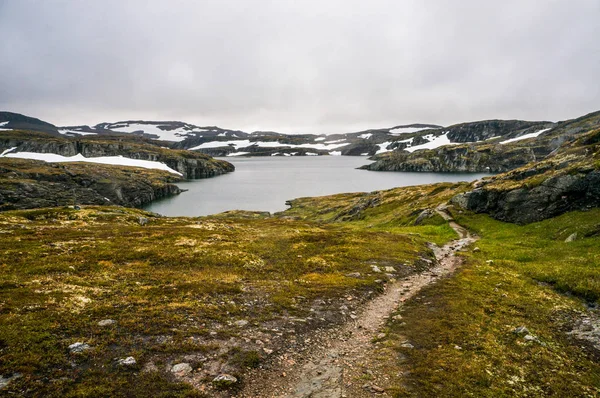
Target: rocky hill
{"x":568,"y":179}
{"x":502,"y":146}
{"x":16,"y":121}
{"x":28,"y":184}
{"x":190,"y":164}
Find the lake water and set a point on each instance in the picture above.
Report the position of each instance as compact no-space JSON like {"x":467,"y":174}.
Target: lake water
{"x":265,"y":183}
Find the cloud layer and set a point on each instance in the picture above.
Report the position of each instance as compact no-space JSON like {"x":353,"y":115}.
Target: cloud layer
{"x":309,"y":66}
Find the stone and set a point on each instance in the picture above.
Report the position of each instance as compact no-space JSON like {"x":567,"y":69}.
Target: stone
{"x":224,"y":380}
{"x":142,"y":221}
{"x":407,"y":345}
{"x":241,"y":323}
{"x":375,"y":268}
{"x":353,"y":275}
{"x":129,"y":361}
{"x":4,"y":381}
{"x":181,"y":369}
{"x":107,"y":322}
{"x":389,"y":269}
{"x":79,"y":347}
{"x":530,"y":338}
{"x":521,"y":330}
{"x":571,"y":237}
{"x":422,"y":216}
{"x":476,"y":249}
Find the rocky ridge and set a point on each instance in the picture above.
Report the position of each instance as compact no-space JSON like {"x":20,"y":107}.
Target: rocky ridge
{"x":190,"y":164}
{"x":29,"y":184}
{"x":501,"y":146}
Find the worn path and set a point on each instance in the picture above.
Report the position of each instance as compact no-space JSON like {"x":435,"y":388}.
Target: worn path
{"x":330,"y":368}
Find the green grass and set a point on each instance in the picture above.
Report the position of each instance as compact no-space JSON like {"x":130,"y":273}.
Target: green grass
{"x":462,"y":328}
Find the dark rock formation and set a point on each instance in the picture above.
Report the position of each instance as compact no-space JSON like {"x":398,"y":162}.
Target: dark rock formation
{"x":554,"y":196}
{"x":26,"y":184}
{"x":567,"y":180}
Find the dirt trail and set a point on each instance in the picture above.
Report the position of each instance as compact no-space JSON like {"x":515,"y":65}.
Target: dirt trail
{"x":328,"y":369}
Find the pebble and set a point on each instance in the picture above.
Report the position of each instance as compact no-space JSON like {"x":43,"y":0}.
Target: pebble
{"x":225,"y":380}
{"x":407,"y":345}
{"x":107,"y":322}
{"x":521,"y":330}
{"x":79,"y":347}
{"x":241,"y":323}
{"x":181,"y":369}
{"x":129,"y":361}
{"x":375,"y":268}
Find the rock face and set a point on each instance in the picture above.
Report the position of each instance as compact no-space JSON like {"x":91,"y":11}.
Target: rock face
{"x":554,"y":196}
{"x":27,"y":184}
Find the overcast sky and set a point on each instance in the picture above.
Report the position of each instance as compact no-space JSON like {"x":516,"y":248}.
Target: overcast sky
{"x":299,"y":66}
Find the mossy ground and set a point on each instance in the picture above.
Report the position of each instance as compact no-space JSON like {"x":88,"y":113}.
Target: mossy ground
{"x":175,"y":286}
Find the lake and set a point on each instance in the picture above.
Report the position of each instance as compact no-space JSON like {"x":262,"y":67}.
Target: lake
{"x":265,"y":183}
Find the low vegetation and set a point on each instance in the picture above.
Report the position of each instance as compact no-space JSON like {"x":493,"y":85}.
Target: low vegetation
{"x":467,"y":331}
{"x":219,"y":293}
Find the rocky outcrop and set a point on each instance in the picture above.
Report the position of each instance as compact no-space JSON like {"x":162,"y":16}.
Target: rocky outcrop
{"x":567,"y":180}
{"x":463,"y":158}
{"x":554,"y":196}
{"x":487,"y":129}
{"x":26,"y":184}
{"x":192,"y":165}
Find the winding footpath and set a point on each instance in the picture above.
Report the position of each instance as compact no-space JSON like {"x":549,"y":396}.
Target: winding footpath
{"x":328,"y":369}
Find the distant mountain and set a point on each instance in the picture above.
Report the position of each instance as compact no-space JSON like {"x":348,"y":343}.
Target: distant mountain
{"x":16,"y":121}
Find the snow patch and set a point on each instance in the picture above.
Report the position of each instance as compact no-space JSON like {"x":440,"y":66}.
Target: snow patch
{"x":7,"y":151}
{"x":320,"y":139}
{"x":408,"y":130}
{"x":311,"y":154}
{"x":176,"y":135}
{"x":526,"y":136}
{"x":2,"y":124}
{"x":383,"y":147}
{"x":113,"y":160}
{"x":434,"y":142}
{"x":71,"y":132}
{"x":366,"y":136}
{"x":335,"y":153}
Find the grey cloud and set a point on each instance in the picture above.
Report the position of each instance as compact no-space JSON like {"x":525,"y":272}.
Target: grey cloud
{"x":316,"y":66}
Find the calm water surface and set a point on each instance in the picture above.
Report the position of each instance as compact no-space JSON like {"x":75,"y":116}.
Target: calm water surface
{"x":265,"y":183}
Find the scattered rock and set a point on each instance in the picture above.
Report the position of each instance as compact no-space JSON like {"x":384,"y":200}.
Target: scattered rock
{"x":407,"y":345}
{"x":422,"y":216}
{"x":129,"y":361}
{"x":353,"y":275}
{"x":267,"y":351}
{"x":375,"y":268}
{"x":476,"y":249}
{"x":373,"y":388}
{"x":4,"y":381}
{"x":490,"y":261}
{"x":79,"y":347}
{"x":521,"y":330}
{"x":150,"y":367}
{"x":107,"y":322}
{"x":241,"y":323}
{"x":389,"y":269}
{"x":571,"y":237}
{"x":530,"y":337}
{"x":181,"y":369}
{"x":142,"y":221}
{"x":224,"y":381}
